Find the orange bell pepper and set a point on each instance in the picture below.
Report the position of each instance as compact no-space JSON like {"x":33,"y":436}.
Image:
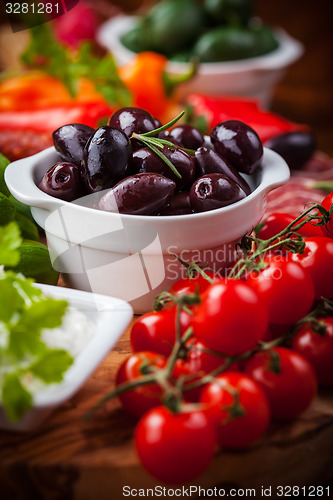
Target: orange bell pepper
{"x":39,"y":102}
{"x":143,"y":76}
{"x":39,"y":90}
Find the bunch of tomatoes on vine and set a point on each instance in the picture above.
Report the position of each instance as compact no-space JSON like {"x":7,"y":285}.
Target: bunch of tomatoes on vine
{"x":218,"y":359}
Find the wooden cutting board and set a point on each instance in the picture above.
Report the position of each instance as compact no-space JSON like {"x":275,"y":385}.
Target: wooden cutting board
{"x":70,"y":459}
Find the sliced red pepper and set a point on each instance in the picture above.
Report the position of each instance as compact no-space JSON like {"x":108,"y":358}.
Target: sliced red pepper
{"x":218,"y":109}
{"x":49,"y":119}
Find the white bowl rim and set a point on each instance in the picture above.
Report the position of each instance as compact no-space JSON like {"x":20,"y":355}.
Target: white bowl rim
{"x":275,"y":172}
{"x":288,"y":51}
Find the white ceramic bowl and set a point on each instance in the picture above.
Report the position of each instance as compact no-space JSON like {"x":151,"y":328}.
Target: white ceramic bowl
{"x":251,"y":78}
{"x":132,"y":257}
{"x":110,"y":317}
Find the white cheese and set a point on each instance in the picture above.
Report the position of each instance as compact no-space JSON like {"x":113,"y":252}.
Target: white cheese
{"x":73,"y":335}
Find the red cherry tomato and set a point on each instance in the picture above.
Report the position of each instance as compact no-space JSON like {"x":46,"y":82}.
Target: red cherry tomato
{"x":197,"y":284}
{"x":277,"y":222}
{"x":194,"y":364}
{"x":286,"y":289}
{"x":317,"y":348}
{"x":327,"y":203}
{"x":230,"y":318}
{"x":156,"y":331}
{"x":239,"y":408}
{"x":287,"y":379}
{"x":317,"y":260}
{"x":138,"y":401}
{"x":175,"y":447}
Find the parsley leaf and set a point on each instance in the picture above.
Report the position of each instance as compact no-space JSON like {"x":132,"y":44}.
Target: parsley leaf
{"x":4,"y":162}
{"x":24,"y":335}
{"x":10,"y":241}
{"x":16,"y":399}
{"x":52,"y":365}
{"x":47,"y":54}
{"x":10,"y":300}
{"x":46,"y":313}
{"x":24,"y":312}
{"x":24,"y":286}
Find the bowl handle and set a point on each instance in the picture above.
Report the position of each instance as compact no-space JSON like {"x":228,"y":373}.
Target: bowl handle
{"x":276,"y":173}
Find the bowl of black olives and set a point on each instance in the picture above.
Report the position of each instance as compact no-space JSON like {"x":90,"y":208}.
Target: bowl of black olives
{"x":124,"y":205}
{"x":237,"y":53}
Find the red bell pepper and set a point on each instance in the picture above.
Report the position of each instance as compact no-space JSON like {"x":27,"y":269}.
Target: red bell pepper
{"x":218,"y":109}
{"x":51,"y":118}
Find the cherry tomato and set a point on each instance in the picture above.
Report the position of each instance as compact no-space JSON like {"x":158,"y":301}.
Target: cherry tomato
{"x":327,"y":203}
{"x":197,"y":284}
{"x":285,"y":287}
{"x":277,"y":222}
{"x":194,"y":364}
{"x":287,"y":378}
{"x":138,"y":401}
{"x":317,"y":348}
{"x":317,"y":260}
{"x":175,"y":447}
{"x":230,"y":318}
{"x":156,"y":331}
{"x":239,"y":408}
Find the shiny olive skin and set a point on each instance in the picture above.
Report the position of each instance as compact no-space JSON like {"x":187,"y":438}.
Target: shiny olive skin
{"x":70,"y":140}
{"x":157,"y":122}
{"x":130,"y":119}
{"x":179,"y":204}
{"x":105,"y":159}
{"x":140,"y":194}
{"x":213,"y":191}
{"x":188,"y":136}
{"x":207,"y":161}
{"x":166,"y":135}
{"x":295,"y":147}
{"x":239,"y":144}
{"x":63,"y":180}
{"x":146,"y":160}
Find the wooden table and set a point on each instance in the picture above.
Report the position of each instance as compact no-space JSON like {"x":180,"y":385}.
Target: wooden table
{"x":70,"y":459}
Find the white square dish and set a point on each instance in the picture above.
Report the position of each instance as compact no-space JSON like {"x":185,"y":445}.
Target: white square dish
{"x":110,"y":317}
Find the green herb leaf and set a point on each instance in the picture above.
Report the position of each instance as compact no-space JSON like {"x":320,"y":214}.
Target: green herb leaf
{"x":103,"y":73}
{"x":24,"y":312}
{"x":45,"y":53}
{"x":162,"y":156}
{"x":46,"y":313}
{"x":52,"y":366}
{"x":15,"y":398}
{"x":10,"y":240}
{"x":163,"y":127}
{"x":25,"y":334}
{"x":10,"y":300}
{"x":3,"y":164}
{"x":23,"y":342}
{"x":25,"y":287}
{"x":198,"y":121}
